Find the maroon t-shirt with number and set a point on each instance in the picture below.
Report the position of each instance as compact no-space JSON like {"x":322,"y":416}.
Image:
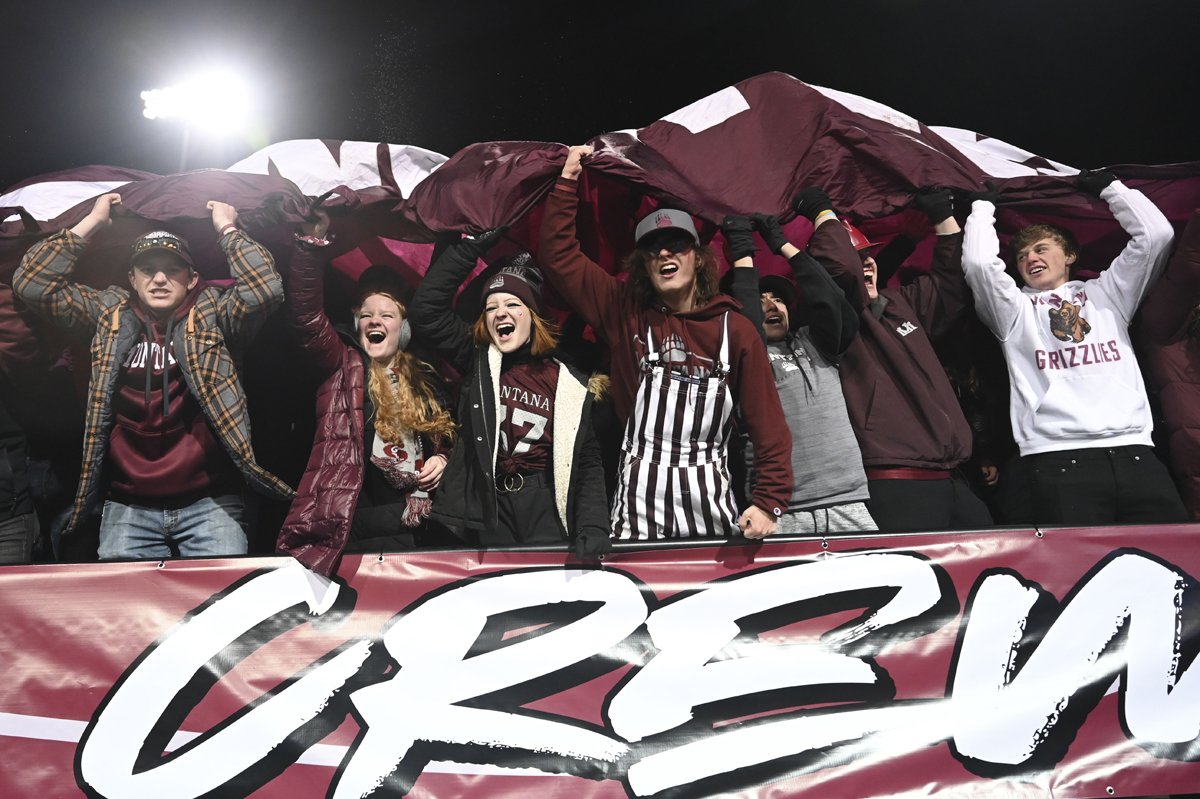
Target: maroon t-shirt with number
{"x":526,"y":417}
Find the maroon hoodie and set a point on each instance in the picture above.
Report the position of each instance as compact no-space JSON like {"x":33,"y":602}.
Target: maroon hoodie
{"x":688,"y":341}
{"x":162,"y":460}
{"x":901,"y":404}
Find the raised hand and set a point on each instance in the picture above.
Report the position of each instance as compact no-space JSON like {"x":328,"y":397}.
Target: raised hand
{"x":989,"y":193}
{"x":740,"y":234}
{"x":99,"y":217}
{"x":1094,"y":181}
{"x":812,"y":202}
{"x":768,"y":227}
{"x":223,"y":215}
{"x":935,"y":203}
{"x":573,"y":167}
{"x":487,"y":239}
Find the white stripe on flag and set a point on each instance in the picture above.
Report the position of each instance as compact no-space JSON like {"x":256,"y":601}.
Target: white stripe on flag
{"x":15,"y":725}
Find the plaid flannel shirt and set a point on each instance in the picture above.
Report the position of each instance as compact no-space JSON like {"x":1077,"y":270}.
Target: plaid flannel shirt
{"x":220,"y":320}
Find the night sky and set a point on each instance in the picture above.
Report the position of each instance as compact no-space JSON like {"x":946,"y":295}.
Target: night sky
{"x":1086,"y":83}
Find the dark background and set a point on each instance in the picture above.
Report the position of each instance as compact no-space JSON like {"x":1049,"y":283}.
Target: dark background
{"x":1088,"y":83}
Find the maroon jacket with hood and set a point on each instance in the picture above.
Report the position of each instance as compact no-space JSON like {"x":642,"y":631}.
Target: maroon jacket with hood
{"x":690,"y":341}
{"x":1172,"y":357}
{"x":902,"y":406}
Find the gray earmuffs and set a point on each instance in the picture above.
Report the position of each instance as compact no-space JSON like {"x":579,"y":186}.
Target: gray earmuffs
{"x":403,"y":338}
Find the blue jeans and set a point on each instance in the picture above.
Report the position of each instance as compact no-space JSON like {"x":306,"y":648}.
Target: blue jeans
{"x":210,"y":527}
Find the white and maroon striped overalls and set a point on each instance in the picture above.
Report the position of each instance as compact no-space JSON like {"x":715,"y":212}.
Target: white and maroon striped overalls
{"x":674,"y":474}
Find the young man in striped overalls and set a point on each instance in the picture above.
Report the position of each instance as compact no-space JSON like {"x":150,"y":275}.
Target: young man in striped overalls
{"x":683,"y":360}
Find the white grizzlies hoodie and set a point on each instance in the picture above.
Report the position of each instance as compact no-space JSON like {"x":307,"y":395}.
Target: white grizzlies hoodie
{"x":1075,"y":379}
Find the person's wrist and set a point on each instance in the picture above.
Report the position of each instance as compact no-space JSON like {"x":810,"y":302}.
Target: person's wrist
{"x":226,"y":228}
{"x":824,"y":216}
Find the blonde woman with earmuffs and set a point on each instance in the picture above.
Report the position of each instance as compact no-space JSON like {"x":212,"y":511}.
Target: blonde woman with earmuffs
{"x":384,"y":428}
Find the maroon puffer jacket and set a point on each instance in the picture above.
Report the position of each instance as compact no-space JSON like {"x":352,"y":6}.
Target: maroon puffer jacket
{"x":1173,"y":358}
{"x":318,"y":523}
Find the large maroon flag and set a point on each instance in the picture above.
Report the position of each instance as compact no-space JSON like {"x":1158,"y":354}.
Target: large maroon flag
{"x":746,"y":148}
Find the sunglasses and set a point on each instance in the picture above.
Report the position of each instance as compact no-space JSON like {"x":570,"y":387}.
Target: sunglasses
{"x":676,"y":245}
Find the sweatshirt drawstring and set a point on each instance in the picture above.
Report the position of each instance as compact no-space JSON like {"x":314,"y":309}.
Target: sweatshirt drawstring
{"x":166,"y":353}
{"x":149,"y":357}
{"x":165,"y":349}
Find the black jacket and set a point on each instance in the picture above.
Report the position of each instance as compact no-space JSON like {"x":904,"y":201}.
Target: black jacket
{"x":466,"y":498}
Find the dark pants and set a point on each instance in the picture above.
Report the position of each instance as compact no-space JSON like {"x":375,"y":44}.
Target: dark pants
{"x":527,"y":515}
{"x":906,"y":506}
{"x":1103,"y":486}
{"x":17,"y":536}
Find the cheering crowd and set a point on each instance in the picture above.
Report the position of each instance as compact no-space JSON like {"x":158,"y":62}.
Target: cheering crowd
{"x":825,"y":402}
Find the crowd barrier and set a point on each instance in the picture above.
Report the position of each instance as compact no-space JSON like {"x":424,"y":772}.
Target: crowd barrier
{"x":1030,"y":663}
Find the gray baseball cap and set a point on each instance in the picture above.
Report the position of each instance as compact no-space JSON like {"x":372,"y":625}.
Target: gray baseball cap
{"x":664,"y":218}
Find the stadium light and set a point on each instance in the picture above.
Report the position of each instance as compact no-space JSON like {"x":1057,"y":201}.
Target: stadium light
{"x":214,"y":102}
{"x":217,"y":100}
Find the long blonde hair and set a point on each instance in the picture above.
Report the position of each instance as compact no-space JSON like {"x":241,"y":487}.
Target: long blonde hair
{"x":410,"y":403}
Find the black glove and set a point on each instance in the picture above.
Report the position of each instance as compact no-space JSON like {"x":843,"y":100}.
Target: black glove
{"x":740,"y":236}
{"x":768,"y":227}
{"x":812,"y":202}
{"x":592,"y":544}
{"x":1094,"y":181}
{"x":991,"y":194}
{"x":482,"y":242}
{"x":935,"y":203}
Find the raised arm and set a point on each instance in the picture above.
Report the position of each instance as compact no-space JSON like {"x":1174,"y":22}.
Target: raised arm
{"x":1129,"y":278}
{"x":304,"y":306}
{"x":833,"y":324}
{"x":432,"y":309}
{"x":830,"y":246}
{"x":743,"y":284}
{"x":594,"y":294}
{"x":257,"y":290}
{"x":998,"y":300}
{"x":43,"y":280}
{"x":1168,"y":310}
{"x":941,"y":297}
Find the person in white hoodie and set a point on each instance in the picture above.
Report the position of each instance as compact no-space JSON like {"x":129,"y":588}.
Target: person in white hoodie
{"x":1079,"y":409}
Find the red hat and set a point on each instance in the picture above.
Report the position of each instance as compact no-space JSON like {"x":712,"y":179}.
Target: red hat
{"x":857,"y":238}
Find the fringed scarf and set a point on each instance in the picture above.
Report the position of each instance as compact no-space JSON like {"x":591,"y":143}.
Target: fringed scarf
{"x":400,"y":463}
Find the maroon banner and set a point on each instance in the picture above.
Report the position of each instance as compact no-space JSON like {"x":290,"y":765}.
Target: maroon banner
{"x":993,"y":663}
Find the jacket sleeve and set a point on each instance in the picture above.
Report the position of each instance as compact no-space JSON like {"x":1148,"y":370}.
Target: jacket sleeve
{"x":941,"y":297}
{"x":43,"y":281}
{"x":761,"y":416}
{"x":889,"y":259}
{"x":591,"y":498}
{"x":833,"y":324}
{"x":998,"y":301}
{"x":1135,"y":270}
{"x":257,"y":290}
{"x":830,"y":245}
{"x":432,"y":313}
{"x":744,"y":289}
{"x":596,"y":295}
{"x":1168,"y":309}
{"x":304,"y":309}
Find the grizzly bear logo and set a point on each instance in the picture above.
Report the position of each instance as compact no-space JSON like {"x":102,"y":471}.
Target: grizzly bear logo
{"x":1067,"y":325}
